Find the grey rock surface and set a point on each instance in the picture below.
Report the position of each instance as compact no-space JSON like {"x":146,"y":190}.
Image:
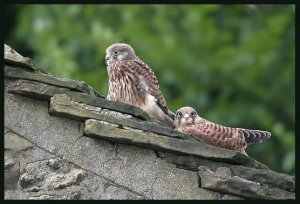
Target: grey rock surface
{"x":266,"y":177}
{"x":33,"y":89}
{"x":223,"y":181}
{"x":11,"y":176}
{"x":17,"y":73}
{"x":14,"y":58}
{"x":50,"y":174}
{"x":135,"y":169}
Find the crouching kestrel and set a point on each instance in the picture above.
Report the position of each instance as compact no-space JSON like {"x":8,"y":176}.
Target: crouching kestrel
{"x":188,"y":121}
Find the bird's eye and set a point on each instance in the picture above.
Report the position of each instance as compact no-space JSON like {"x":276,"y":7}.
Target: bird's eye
{"x":116,"y":52}
{"x":179,"y":114}
{"x":193,"y":113}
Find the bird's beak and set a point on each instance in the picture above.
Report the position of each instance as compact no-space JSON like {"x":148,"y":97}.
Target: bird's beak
{"x":186,"y":116}
{"x":107,"y":57}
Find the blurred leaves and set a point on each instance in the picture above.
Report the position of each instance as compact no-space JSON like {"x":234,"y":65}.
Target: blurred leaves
{"x":234,"y":63}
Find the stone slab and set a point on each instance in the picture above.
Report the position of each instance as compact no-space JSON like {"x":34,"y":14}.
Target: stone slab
{"x":266,"y":177}
{"x":239,"y":186}
{"x":94,"y":128}
{"x":33,"y":89}
{"x":13,"y":58}
{"x":18,"y":73}
{"x":62,"y":105}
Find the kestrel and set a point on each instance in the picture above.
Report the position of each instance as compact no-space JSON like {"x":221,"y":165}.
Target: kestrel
{"x":188,"y":121}
{"x":132,"y":81}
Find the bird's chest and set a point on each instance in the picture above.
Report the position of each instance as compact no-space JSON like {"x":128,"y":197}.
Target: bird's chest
{"x":124,"y":85}
{"x":185,"y":126}
{"x":119,"y":79}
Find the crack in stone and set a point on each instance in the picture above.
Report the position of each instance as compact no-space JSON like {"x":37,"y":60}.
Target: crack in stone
{"x":116,"y":149}
{"x":43,"y":130}
{"x":19,"y":134}
{"x":199,"y":181}
{"x":151,"y":188}
{"x":72,"y":145}
{"x":88,"y":170}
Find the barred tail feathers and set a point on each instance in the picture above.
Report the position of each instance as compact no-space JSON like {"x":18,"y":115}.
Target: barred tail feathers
{"x":254,"y":136}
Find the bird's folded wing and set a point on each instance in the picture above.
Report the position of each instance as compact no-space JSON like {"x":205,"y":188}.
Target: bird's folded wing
{"x":152,"y":83}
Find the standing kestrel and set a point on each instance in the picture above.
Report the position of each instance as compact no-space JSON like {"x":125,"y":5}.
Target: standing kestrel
{"x":187,"y":121}
{"x":132,"y":81}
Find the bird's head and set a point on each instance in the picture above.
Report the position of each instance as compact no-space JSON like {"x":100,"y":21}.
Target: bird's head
{"x":185,"y":116}
{"x":118,"y":52}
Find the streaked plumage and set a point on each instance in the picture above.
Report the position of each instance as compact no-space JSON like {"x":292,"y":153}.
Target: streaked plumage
{"x":132,"y":81}
{"x":187,"y":121}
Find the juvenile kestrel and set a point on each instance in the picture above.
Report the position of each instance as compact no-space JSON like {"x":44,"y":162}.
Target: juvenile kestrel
{"x":187,"y":121}
{"x":132,"y":81}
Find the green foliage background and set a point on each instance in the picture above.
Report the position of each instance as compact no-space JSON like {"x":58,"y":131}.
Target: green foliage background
{"x":234,"y":63}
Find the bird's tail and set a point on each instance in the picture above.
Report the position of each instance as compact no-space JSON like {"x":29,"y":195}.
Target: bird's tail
{"x":171,"y":114}
{"x":166,"y":111}
{"x":254,"y":136}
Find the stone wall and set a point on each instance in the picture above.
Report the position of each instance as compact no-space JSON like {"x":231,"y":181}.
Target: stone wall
{"x":63,"y":140}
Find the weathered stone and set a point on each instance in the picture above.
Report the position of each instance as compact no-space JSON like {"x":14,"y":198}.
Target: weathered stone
{"x":137,"y":172}
{"x":40,"y":176}
{"x":266,"y":177}
{"x":62,"y":105}
{"x":189,"y":162}
{"x":55,"y":164}
{"x":14,"y":58}
{"x":19,"y":149}
{"x":41,"y":197}
{"x":231,"y":197}
{"x":116,"y":114}
{"x":111,"y":105}
{"x":30,"y":118}
{"x":11,"y":176}
{"x":239,"y":186}
{"x":9,"y":163}
{"x":17,"y":73}
{"x":14,"y":148}
{"x":33,"y":89}
{"x":138,"y":169}
{"x":41,"y":181}
{"x":177,"y":183}
{"x":95,"y":129}
{"x":14,"y":194}
{"x":224,"y":172}
{"x":91,"y":187}
{"x":16,"y":143}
